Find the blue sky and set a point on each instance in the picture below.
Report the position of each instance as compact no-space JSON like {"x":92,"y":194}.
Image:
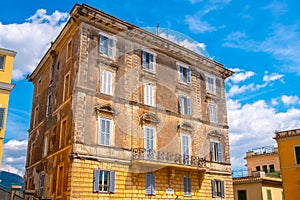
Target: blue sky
{"x":259,"y":40}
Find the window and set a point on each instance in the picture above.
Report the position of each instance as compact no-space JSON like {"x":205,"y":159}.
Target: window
{"x":42,"y":181}
{"x":215,"y":151}
{"x":265,"y":168}
{"x":46,"y":144}
{"x":149,"y":94}
{"x":149,"y":142}
{"x":242,"y":195}
{"x":32,"y":151}
{"x":104,"y":181}
{"x":69,"y":50}
{"x":272,"y":169}
{"x":217,"y":188}
{"x":104,"y":131}
{"x":184,"y":74}
{"x":106,"y":82}
{"x":269,"y":195}
{"x":66,"y":87}
{"x":147,"y":60}
{"x":63,"y":133}
{"x":211,"y":84}
{"x":150,"y":184}
{"x":258,"y":168}
{"x":49,"y":104}
{"x":185,"y":148}
{"x":184,"y":105}
{"x":2,"y":61}
{"x":38,"y":87}
{"x":52,"y":70}
{"x":60,"y":180}
{"x":297,"y":154}
{"x":2,"y":115}
{"x":36,"y":116}
{"x":187,"y":186}
{"x":212,"y":112}
{"x":106,"y":46}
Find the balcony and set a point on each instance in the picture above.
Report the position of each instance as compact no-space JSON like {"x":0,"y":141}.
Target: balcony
{"x":156,"y":159}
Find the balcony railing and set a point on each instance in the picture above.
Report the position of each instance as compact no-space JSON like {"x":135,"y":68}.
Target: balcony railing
{"x":167,"y":157}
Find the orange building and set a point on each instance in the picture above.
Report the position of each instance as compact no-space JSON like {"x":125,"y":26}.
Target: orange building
{"x":289,"y":155}
{"x":263,"y":159}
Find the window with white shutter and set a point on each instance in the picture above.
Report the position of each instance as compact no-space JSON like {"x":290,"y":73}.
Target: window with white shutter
{"x":184,"y":74}
{"x":216,"y":154}
{"x":184,"y":105}
{"x":2,"y":115}
{"x":106,"y":46}
{"x":149,"y":142}
{"x":149,"y":94}
{"x":104,"y":131}
{"x":107,"y":82}
{"x":212,"y":112}
{"x":148,"y":60}
{"x":211,"y":88}
{"x":185,"y":148}
{"x":104,"y":181}
{"x":187,"y":186}
{"x":150,"y":184}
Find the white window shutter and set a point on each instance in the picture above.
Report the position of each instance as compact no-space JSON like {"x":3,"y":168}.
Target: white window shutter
{"x":151,"y":61}
{"x":188,"y":105}
{"x":180,"y":103}
{"x":110,"y":47}
{"x":112,"y":182}
{"x":103,"y":85}
{"x":219,"y":152}
{"x":181,"y":73}
{"x":144,"y":61}
{"x":101,"y":44}
{"x":109,"y":83}
{"x":212,"y":157}
{"x":96,"y":180}
{"x":189,"y":76}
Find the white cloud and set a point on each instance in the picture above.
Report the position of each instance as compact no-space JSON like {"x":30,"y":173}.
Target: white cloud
{"x":31,"y":39}
{"x":15,"y":145}
{"x":273,"y":77}
{"x":196,"y":25}
{"x":240,"y":75}
{"x":274,"y":102}
{"x":235,"y":89}
{"x":277,"y":8}
{"x":290,"y":100}
{"x":11,"y":169}
{"x":253,"y":125}
{"x":14,"y":159}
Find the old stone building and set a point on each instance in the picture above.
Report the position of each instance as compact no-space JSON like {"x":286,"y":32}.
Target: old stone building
{"x":121,"y":113}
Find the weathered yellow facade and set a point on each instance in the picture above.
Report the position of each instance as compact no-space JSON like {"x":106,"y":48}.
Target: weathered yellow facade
{"x":121,"y":113}
{"x":289,"y":155}
{"x":6,"y":67}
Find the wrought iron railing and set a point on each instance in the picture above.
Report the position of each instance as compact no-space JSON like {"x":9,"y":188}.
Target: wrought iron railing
{"x":167,"y":157}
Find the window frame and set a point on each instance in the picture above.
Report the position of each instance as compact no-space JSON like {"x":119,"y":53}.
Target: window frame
{"x":149,"y":151}
{"x":269,"y":194}
{"x":110,"y":39}
{"x":244,"y":193}
{"x":210,"y":87}
{"x":38,"y":87}
{"x":3,"y":63}
{"x":181,"y":74}
{"x":212,"y":108}
{"x":150,"y":188}
{"x":111,"y":181}
{"x":69,"y":51}
{"x":46,"y":144}
{"x":2,"y":117}
{"x":216,"y":151}
{"x":147,"y":64}
{"x":36,"y":117}
{"x":297,"y":157}
{"x":60,"y":180}
{"x":218,"y":188}
{"x":66,"y":94}
{"x":187,"y":186}
{"x":185,"y":105}
{"x":107,"y":86}
{"x":63,"y":133}
{"x":49,"y":104}
{"x":42,"y":184}
{"x":100,"y":131}
{"x":149,"y":98}
{"x":183,"y":155}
